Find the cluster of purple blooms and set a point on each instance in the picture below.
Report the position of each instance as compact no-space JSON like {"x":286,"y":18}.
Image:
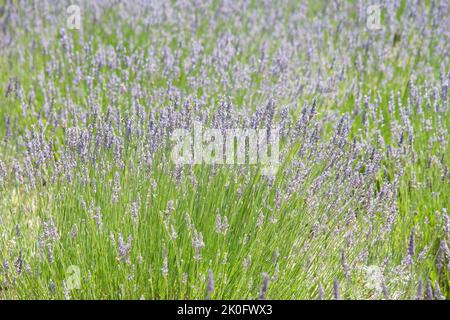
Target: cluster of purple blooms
{"x":96,"y":105}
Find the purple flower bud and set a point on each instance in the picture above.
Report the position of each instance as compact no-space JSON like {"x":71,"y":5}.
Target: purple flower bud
{"x":440,"y":255}
{"x":345,"y":266}
{"x":429,"y":291}
{"x":336,"y":290}
{"x":210,"y":285}
{"x":411,"y":244}
{"x":264,"y":287}
{"x":385,"y":290}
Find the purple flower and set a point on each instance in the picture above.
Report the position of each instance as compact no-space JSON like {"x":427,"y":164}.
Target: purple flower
{"x":345,"y":266}
{"x":264,"y":287}
{"x":429,"y":291}
{"x":411,"y":244}
{"x":336,"y":290}
{"x":210,"y":285}
{"x":321,"y":292}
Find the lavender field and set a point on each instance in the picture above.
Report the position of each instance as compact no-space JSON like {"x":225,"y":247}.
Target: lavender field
{"x":320,"y":171}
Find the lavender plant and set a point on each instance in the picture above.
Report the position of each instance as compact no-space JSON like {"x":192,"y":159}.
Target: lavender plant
{"x":357,"y":208}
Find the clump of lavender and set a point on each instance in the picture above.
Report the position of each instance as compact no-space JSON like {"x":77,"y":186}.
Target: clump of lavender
{"x":124,"y":248}
{"x":221,"y":224}
{"x":198,"y":244}
{"x":50,"y":231}
{"x":90,"y":117}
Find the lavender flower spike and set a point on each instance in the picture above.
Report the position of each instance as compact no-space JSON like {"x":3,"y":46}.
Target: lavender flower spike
{"x":262,"y":295}
{"x":210,"y":285}
{"x":336,"y":290}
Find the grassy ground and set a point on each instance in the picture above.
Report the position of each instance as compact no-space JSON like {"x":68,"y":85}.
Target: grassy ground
{"x":357,"y":209}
